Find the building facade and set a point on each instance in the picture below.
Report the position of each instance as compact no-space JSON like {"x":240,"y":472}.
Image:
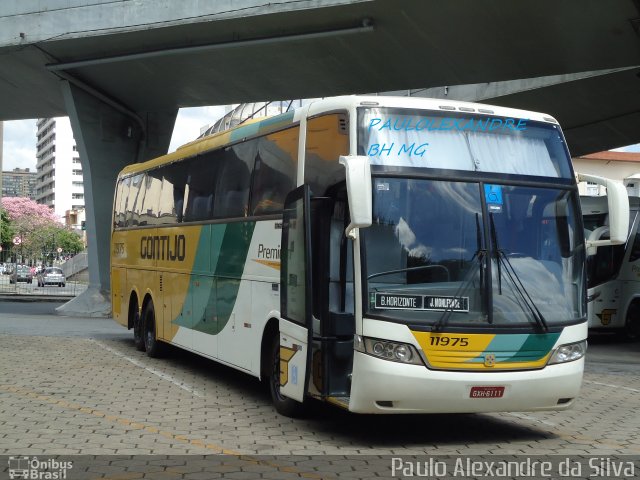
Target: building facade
{"x":59,"y":182}
{"x":610,"y":164}
{"x":20,"y":182}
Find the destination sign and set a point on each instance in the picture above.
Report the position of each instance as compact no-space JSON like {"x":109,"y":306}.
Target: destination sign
{"x":393,"y":301}
{"x":454,"y":304}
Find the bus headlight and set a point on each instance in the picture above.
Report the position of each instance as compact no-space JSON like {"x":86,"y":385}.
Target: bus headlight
{"x":569,"y":352}
{"x":393,"y":351}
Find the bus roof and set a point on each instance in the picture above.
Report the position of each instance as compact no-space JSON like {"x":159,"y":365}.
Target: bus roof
{"x":256,"y":127}
{"x":250,"y":128}
{"x":434,"y":104}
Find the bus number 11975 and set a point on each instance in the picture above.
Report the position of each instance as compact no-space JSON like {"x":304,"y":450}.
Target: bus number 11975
{"x":440,"y":341}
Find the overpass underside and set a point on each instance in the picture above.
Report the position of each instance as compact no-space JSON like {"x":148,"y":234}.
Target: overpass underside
{"x":121,"y":70}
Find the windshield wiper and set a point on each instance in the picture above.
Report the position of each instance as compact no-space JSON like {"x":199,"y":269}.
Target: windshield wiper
{"x":479,"y":256}
{"x":462,"y":289}
{"x":503,"y":259}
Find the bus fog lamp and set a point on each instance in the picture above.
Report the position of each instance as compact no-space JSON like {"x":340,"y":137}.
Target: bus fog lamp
{"x":569,"y":352}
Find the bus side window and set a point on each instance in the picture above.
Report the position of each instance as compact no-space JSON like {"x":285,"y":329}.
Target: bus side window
{"x":170,"y":206}
{"x":232,"y":191}
{"x":201,"y":180}
{"x":122,"y":191}
{"x":149,"y":211}
{"x":134,"y":200}
{"x":274,"y":174}
{"x":327,"y":139}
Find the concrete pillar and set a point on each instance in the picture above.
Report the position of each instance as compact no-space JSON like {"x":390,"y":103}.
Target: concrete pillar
{"x":108,"y":138}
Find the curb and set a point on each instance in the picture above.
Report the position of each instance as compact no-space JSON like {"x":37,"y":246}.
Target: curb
{"x":34,"y":298}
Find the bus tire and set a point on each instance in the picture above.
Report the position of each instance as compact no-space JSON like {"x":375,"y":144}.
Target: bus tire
{"x":284,"y":405}
{"x":154,"y":348}
{"x":632,"y":322}
{"x":138,"y":330}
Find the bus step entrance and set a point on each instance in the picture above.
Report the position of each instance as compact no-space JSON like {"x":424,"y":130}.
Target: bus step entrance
{"x":342,"y":402}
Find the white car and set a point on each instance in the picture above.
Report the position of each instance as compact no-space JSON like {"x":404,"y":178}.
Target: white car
{"x":51,"y":276}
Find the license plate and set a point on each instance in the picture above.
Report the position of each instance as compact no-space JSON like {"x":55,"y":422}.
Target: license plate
{"x":486,"y":392}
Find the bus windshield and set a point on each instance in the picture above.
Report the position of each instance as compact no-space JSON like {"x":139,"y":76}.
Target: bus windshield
{"x":437,"y":252}
{"x":468,"y":142}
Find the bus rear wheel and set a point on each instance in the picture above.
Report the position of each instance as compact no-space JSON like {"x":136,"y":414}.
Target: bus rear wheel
{"x":153,"y":347}
{"x":284,"y":405}
{"x":138,"y":331}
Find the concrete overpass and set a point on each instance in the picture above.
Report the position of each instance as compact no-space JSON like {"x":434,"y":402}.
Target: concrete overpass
{"x":121,"y":69}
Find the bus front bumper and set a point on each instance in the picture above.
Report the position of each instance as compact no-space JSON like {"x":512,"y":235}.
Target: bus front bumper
{"x":381,"y":386}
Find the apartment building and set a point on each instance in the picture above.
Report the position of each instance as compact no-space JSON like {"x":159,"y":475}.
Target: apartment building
{"x":59,"y":182}
{"x":19,"y":182}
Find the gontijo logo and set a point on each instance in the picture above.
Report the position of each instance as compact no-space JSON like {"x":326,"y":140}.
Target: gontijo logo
{"x":32,"y":468}
{"x":163,"y":247}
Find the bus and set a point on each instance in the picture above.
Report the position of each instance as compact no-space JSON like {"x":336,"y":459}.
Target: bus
{"x":382,"y":254}
{"x":613,"y":272}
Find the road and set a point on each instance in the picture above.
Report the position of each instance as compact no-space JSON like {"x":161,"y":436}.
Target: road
{"x":78,"y":386}
{"x":71,"y":288}
{"x":39,"y":319}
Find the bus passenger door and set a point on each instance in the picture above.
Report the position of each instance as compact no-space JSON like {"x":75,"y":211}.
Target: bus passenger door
{"x":295,"y":297}
{"x":333,"y":326}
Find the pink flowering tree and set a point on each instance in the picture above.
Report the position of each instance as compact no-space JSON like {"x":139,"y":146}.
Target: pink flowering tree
{"x":22,"y":207}
{"x":30,"y":221}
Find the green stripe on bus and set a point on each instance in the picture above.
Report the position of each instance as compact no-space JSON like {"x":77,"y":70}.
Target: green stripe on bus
{"x":536,"y":347}
{"x":266,"y":125}
{"x":214,"y":301}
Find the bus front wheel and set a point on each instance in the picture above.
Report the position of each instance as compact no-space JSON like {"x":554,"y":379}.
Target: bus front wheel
{"x":284,"y":405}
{"x":632,"y":323}
{"x":153,"y":347}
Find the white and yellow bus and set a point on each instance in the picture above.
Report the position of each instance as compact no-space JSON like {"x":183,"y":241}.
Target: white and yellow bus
{"x":384,"y":254}
{"x":613,"y":272}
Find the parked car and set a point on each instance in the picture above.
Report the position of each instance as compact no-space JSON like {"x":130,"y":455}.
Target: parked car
{"x":51,"y":276}
{"x":22,"y":273}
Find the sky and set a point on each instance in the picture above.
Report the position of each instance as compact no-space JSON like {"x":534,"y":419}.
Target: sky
{"x":20,"y":135}
{"x":630,"y":148}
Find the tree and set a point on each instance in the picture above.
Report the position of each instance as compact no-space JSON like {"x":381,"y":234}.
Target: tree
{"x":20,"y":207}
{"x":68,"y":240}
{"x":27,"y":220}
{"x":6,"y":231}
{"x":40,"y":232}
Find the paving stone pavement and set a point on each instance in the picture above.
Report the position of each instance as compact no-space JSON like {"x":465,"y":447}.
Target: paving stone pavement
{"x":66,"y":396}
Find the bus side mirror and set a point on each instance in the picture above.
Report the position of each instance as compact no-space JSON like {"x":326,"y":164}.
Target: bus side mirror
{"x":358,"y":178}
{"x":618,"y":205}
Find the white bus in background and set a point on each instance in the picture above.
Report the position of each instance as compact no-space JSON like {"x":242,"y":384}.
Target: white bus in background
{"x":613,"y":272}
